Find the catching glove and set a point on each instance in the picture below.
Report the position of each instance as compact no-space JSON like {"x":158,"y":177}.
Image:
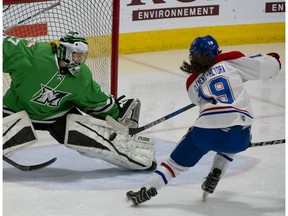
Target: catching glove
{"x":276,"y":56}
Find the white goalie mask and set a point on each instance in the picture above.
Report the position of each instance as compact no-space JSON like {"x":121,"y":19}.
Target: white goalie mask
{"x":73,"y":50}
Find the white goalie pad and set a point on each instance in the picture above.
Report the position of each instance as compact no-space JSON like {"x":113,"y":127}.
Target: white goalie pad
{"x":18,"y":133}
{"x":94,"y":138}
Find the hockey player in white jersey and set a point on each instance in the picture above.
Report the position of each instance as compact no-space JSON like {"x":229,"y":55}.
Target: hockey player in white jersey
{"x":225,"y":117}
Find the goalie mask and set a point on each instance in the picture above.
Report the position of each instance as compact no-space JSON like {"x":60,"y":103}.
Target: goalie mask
{"x":206,"y":45}
{"x":73,"y":50}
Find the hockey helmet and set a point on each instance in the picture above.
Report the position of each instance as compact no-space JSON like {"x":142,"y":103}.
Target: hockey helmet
{"x":206,"y":45}
{"x":69,"y":44}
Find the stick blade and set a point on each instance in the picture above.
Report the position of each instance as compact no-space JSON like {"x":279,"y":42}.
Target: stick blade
{"x":29,"y":167}
{"x":118,"y":127}
{"x":43,"y":165}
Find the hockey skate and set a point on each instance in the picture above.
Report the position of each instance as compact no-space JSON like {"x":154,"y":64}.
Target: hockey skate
{"x":141,"y":196}
{"x":210,"y":183}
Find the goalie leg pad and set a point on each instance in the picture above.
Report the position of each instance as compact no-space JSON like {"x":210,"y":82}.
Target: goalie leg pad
{"x":18,"y":133}
{"x":90,"y":137}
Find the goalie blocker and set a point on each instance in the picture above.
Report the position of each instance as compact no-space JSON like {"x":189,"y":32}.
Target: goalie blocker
{"x":90,"y":137}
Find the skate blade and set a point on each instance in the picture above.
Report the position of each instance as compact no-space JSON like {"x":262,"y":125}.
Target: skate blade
{"x":205,"y":195}
{"x":131,"y":200}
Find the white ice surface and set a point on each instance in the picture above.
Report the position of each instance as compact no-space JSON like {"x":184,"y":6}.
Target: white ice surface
{"x":77,"y":186}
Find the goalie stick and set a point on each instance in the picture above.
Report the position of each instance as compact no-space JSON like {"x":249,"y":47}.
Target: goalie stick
{"x":47,"y":163}
{"x":122,"y":129}
{"x":28,"y":167}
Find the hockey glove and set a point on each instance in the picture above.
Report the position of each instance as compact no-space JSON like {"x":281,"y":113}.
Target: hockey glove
{"x":186,"y":67}
{"x":129,"y":111}
{"x":276,"y":56}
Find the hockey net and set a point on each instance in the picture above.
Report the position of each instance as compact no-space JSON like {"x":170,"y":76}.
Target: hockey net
{"x":97,"y":21}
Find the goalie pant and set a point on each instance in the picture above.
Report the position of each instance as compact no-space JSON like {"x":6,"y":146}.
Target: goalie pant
{"x":90,"y":137}
{"x":87,"y":135}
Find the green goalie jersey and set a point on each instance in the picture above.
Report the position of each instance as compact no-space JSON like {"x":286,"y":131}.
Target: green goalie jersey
{"x":42,"y":91}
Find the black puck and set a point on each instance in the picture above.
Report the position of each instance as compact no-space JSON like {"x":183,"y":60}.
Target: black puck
{"x":112,"y":136}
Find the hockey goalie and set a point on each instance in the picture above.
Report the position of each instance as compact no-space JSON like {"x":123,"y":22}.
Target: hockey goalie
{"x":52,"y":89}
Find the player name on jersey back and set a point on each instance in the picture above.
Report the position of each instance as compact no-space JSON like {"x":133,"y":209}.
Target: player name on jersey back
{"x":215,"y":70}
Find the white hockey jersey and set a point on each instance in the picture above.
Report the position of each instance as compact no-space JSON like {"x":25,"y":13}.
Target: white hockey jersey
{"x":220,"y":91}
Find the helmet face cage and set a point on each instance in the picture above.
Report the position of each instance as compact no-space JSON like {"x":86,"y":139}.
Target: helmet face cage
{"x":206,"y":45}
{"x":72,"y":44}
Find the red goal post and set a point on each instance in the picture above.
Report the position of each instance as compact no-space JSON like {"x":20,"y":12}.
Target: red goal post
{"x":46,"y":20}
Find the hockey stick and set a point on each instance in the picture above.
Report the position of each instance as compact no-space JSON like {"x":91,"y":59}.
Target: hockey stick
{"x":272,"y":142}
{"x":28,"y":167}
{"x":131,"y":131}
{"x":5,"y":8}
{"x":32,"y":16}
{"x":122,"y":129}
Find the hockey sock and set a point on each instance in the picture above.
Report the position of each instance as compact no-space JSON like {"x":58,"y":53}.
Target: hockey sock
{"x":162,"y":175}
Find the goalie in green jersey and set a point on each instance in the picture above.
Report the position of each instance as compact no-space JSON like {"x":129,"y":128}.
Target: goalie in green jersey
{"x":50,"y":84}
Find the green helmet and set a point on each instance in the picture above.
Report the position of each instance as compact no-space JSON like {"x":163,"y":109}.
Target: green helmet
{"x":69,"y":44}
